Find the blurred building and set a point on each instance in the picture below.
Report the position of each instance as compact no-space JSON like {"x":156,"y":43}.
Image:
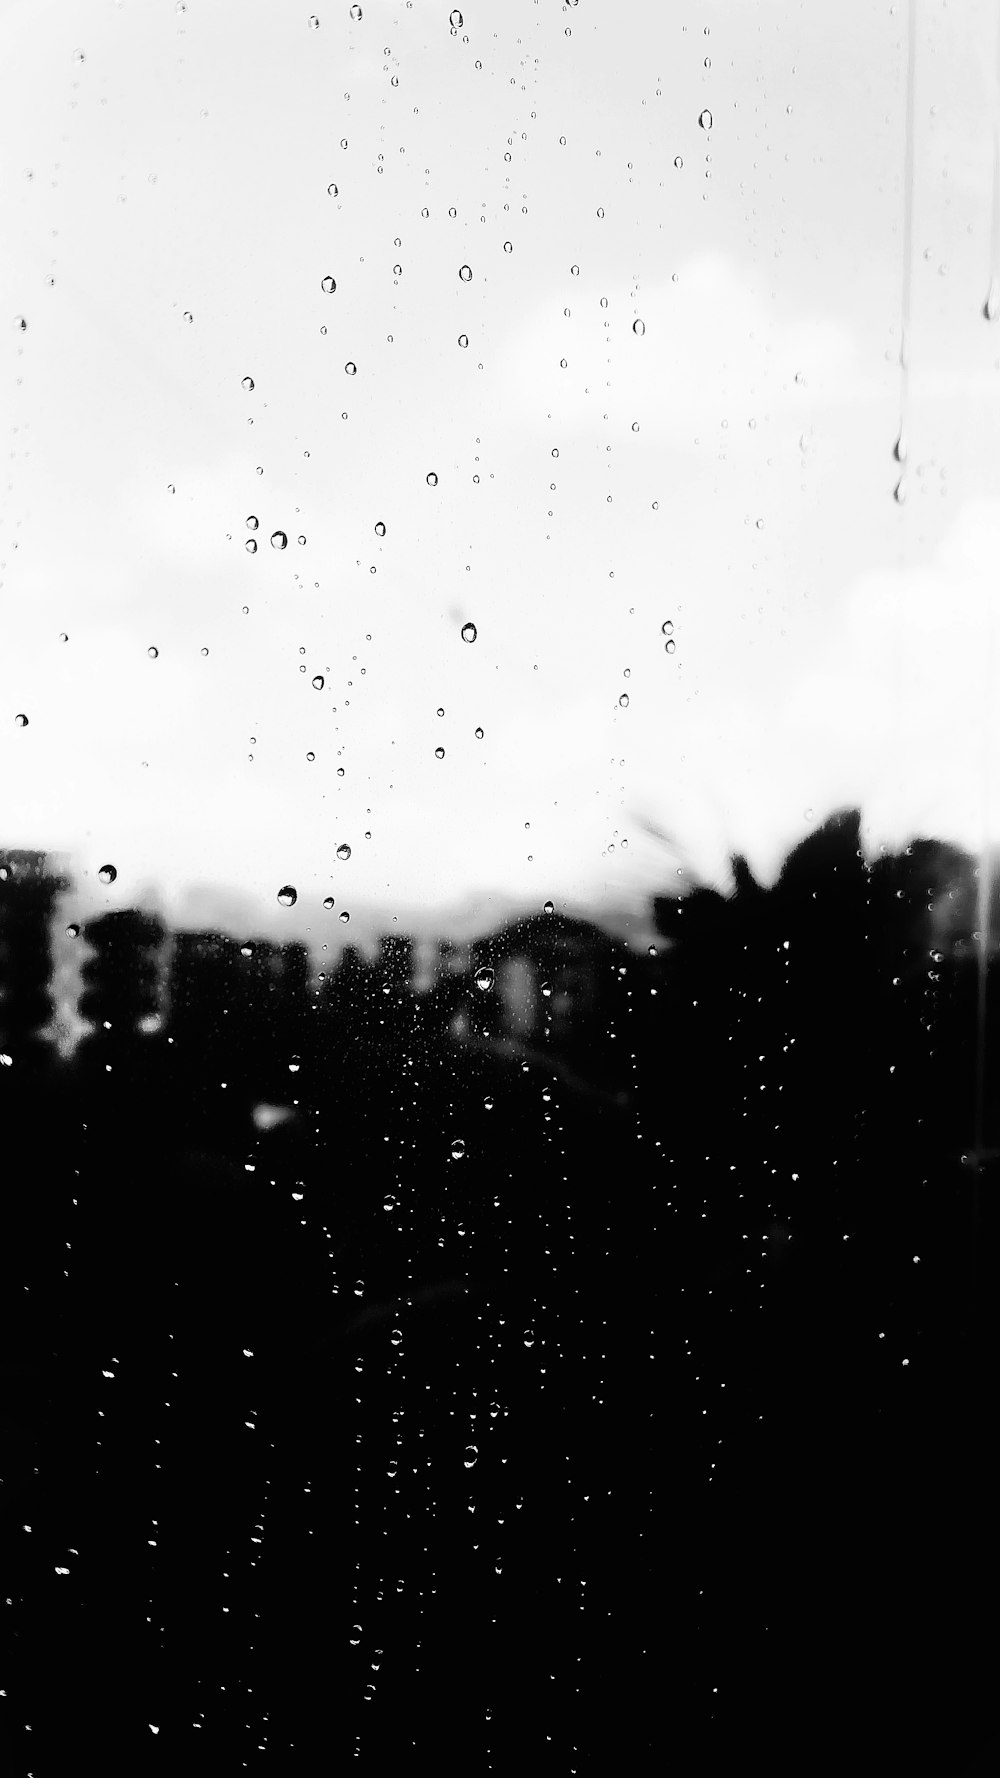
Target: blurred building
{"x":28,"y":891}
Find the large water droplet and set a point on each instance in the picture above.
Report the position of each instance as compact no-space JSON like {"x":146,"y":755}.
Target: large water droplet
{"x":343,"y":853}
{"x":465,"y":273}
{"x":469,"y":632}
{"x":153,"y":653}
{"x":251,"y":546}
{"x":252,"y":522}
{"x":667,"y":628}
{"x":457,"y":1148}
{"x":318,"y":682}
{"x":463,"y":339}
{"x":356,"y":14}
{"x":351,"y":368}
{"x":287,"y":896}
{"x":278,"y":540}
{"x":380,"y":529}
{"x":705,"y":120}
{"x":548,"y":908}
{"x":329,"y":284}
{"x":471,"y":1454}
{"x":21,"y":720}
{"x":639,"y":327}
{"x":107,"y":873}
{"x":248,"y":384}
{"x":439,"y":753}
{"x":332,"y":190}
{"x":328,"y":902}
{"x":479,"y":734}
{"x":670,"y":646}
{"x":484,"y":978}
{"x":456,"y":20}
{"x":432,"y":480}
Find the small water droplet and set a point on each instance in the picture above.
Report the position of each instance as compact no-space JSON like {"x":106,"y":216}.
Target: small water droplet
{"x":63,"y":636}
{"x":670,"y":647}
{"x":328,"y":902}
{"x":639,"y":327}
{"x":251,"y":546}
{"x":484,"y":978}
{"x":457,"y":1148}
{"x":355,"y":1636}
{"x":623,"y":700}
{"x":380,"y":529}
{"x":469,"y":632}
{"x":318,"y":682}
{"x":153,"y":653}
{"x":287,"y":896}
{"x":73,"y":930}
{"x":456,"y":20}
{"x":247,"y":949}
{"x":528,"y":1336}
{"x":356,"y":14}
{"x":667,"y":628}
{"x":343,"y":853}
{"x":899,"y":448}
{"x":465,"y":273}
{"x":479,"y":734}
{"x":439,"y":753}
{"x":899,"y":491}
{"x":351,"y":368}
{"x":107,"y":873}
{"x":21,"y":720}
{"x":705,"y":120}
{"x":278,"y":540}
{"x":332,"y":191}
{"x":248,"y":384}
{"x":432,"y":480}
{"x":188,"y":316}
{"x":301,"y":537}
{"x":252,"y":522}
{"x":471,"y":1454}
{"x":678,"y":160}
{"x":329,"y":285}
{"x":345,"y":916}
{"x":488,"y":1102}
{"x":314,"y":21}
{"x":310,"y":757}
{"x":20,"y":323}
{"x":548,"y":908}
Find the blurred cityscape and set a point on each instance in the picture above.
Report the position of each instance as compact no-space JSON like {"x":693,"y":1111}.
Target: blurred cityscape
{"x":377,"y":1300}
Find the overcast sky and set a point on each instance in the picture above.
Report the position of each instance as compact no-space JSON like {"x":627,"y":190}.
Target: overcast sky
{"x":678,"y":403}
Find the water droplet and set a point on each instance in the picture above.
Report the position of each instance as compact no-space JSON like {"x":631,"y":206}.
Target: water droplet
{"x":332,"y":191}
{"x":457,"y":1148}
{"x":247,"y":950}
{"x":252,"y":522}
{"x":471,"y":1454}
{"x":73,"y":930}
{"x":639,"y":327}
{"x":465,"y":273}
{"x":345,"y":916}
{"x":670,"y":647}
{"x":343,"y":853}
{"x":623,"y":700}
{"x":456,"y":20}
{"x":170,"y":488}
{"x":301,"y":537}
{"x":251,"y":546}
{"x":318,"y":682}
{"x":479,"y":734}
{"x":351,"y":368}
{"x":469,"y":632}
{"x":314,"y":21}
{"x":529,"y":1336}
{"x":488,"y":1102}
{"x":248,"y":384}
{"x":380,"y":529}
{"x":21,"y":720}
{"x":188,"y":316}
{"x":329,"y":285}
{"x":20,"y":323}
{"x":899,"y":491}
{"x":548,"y":908}
{"x":705,"y":120}
{"x":328,"y":902}
{"x":463,"y":339}
{"x":484,"y":978}
{"x":574,"y":271}
{"x":546,"y":990}
{"x":432,"y":480}
{"x":439,"y":753}
{"x":107,"y":873}
{"x":678,"y":160}
{"x":899,"y":448}
{"x":355,"y":1636}
{"x":153,"y":653}
{"x":287,"y":896}
{"x":278,"y":540}
{"x":63,"y":636}
{"x":356,"y":14}
{"x":667,"y":627}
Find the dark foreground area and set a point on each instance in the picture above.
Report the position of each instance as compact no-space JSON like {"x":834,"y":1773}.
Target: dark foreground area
{"x":617,"y":1403}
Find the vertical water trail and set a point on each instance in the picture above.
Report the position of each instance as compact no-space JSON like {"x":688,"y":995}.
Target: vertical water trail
{"x":907,"y":270}
{"x":991,"y":307}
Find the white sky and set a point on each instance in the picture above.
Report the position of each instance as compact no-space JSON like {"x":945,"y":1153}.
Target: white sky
{"x":832,"y":645}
